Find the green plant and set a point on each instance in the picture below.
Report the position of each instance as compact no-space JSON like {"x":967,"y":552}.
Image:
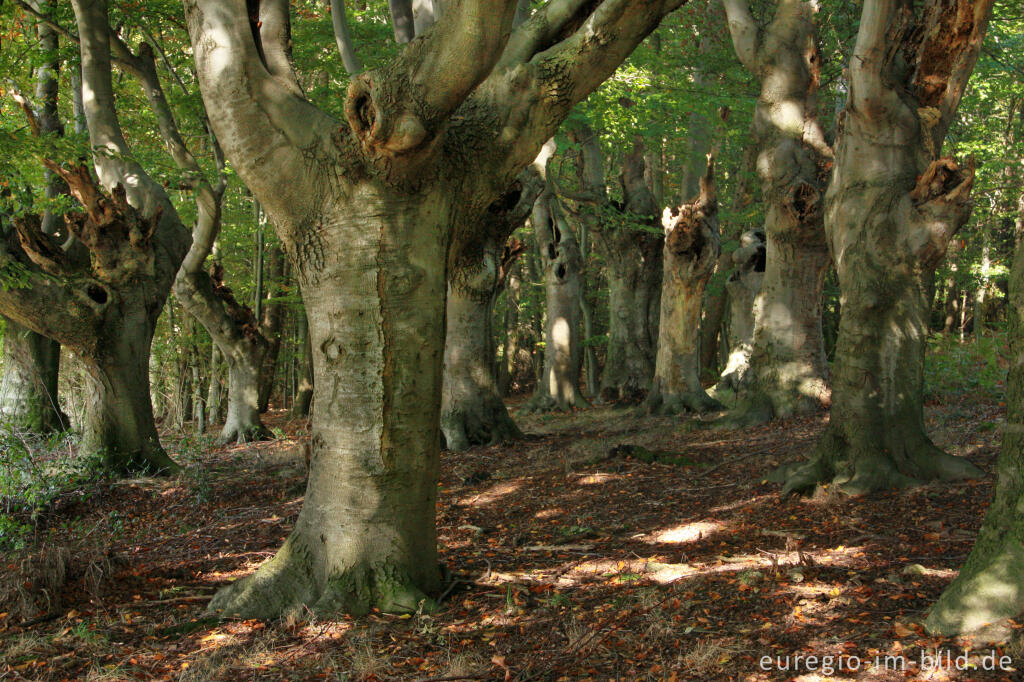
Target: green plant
{"x":973,"y":370}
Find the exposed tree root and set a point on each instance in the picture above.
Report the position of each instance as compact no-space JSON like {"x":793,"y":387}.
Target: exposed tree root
{"x":488,"y":424}
{"x":288,"y":585}
{"x":903,"y":458}
{"x":236,"y":433}
{"x":543,"y":402}
{"x":666,"y":405}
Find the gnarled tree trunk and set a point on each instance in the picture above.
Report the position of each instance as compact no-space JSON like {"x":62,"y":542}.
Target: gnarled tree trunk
{"x":692,"y":245}
{"x":558,"y":388}
{"x":374,"y":214}
{"x":891,"y":209}
{"x":788,"y":369}
{"x":472,"y":411}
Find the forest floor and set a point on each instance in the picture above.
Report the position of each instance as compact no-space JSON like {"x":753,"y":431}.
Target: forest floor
{"x":570,"y":563}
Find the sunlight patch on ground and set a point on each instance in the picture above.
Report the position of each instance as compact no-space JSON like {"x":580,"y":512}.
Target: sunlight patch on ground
{"x":687,"y":532}
{"x":492,"y":494}
{"x":549,"y":513}
{"x":740,"y":504}
{"x":597,"y":479}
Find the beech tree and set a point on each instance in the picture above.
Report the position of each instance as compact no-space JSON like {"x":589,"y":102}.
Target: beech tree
{"x":629,"y":239}
{"x":743,"y":286}
{"x":31,"y":361}
{"x":102,"y":298}
{"x":891,"y":209}
{"x":692,"y":247}
{"x":370,"y":210}
{"x":558,"y":388}
{"x":788,"y":369}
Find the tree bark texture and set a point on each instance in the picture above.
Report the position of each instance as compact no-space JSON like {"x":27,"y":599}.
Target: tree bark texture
{"x":692,"y":246}
{"x":891,"y":209}
{"x":374,"y":212}
{"x":28,"y":390}
{"x":789,"y":370}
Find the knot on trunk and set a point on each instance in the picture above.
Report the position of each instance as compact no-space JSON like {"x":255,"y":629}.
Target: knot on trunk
{"x":943,"y":179}
{"x":385,"y":131}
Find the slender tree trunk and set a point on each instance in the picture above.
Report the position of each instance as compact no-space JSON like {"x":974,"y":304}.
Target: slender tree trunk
{"x":213,"y":398}
{"x":28,"y":389}
{"x":891,"y":209}
{"x":304,"y":389}
{"x":559,"y":385}
{"x":692,"y":245}
{"x":270,"y":326}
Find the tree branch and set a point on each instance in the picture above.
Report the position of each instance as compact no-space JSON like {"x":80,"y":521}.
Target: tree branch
{"x":431,"y":79}
{"x":401,"y":19}
{"x":275,"y":32}
{"x":746,"y":38}
{"x":339,"y":20}
{"x":872,"y":54}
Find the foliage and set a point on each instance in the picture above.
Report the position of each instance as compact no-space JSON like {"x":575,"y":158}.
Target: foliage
{"x":34,"y":472}
{"x":974,"y":371}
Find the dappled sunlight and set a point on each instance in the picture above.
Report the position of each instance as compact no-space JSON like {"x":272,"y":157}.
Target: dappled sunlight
{"x":689,"y":532}
{"x":596,"y":479}
{"x":492,"y":494}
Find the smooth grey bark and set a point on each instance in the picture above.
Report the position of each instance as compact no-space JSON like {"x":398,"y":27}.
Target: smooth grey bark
{"x":891,"y":209}
{"x":371,"y":213}
{"x":789,"y":370}
{"x":692,"y":246}
{"x":402,"y":20}
{"x":989,"y":589}
{"x":558,"y":388}
{"x":271,"y":321}
{"x":743,"y":286}
{"x":343,"y":37}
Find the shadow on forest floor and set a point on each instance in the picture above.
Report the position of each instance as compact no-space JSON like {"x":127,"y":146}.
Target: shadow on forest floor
{"x":571,"y":564}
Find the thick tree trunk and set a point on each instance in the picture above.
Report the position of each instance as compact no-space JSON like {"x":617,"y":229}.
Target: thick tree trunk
{"x":375,"y":215}
{"x":214,"y":394}
{"x":28,"y":390}
{"x":271,"y":320}
{"x":633,"y":291}
{"x":891,"y":209}
{"x":559,"y":385}
{"x":119,"y":425}
{"x":743,"y":286}
{"x":242,"y":423}
{"x":789,"y":371}
{"x":692,"y":245}
{"x":472,"y":411}
{"x":366,"y":536}
{"x":633,"y":258}
{"x":990,"y":587}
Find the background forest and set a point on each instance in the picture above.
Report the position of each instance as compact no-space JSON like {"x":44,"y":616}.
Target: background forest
{"x":644,"y":331}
